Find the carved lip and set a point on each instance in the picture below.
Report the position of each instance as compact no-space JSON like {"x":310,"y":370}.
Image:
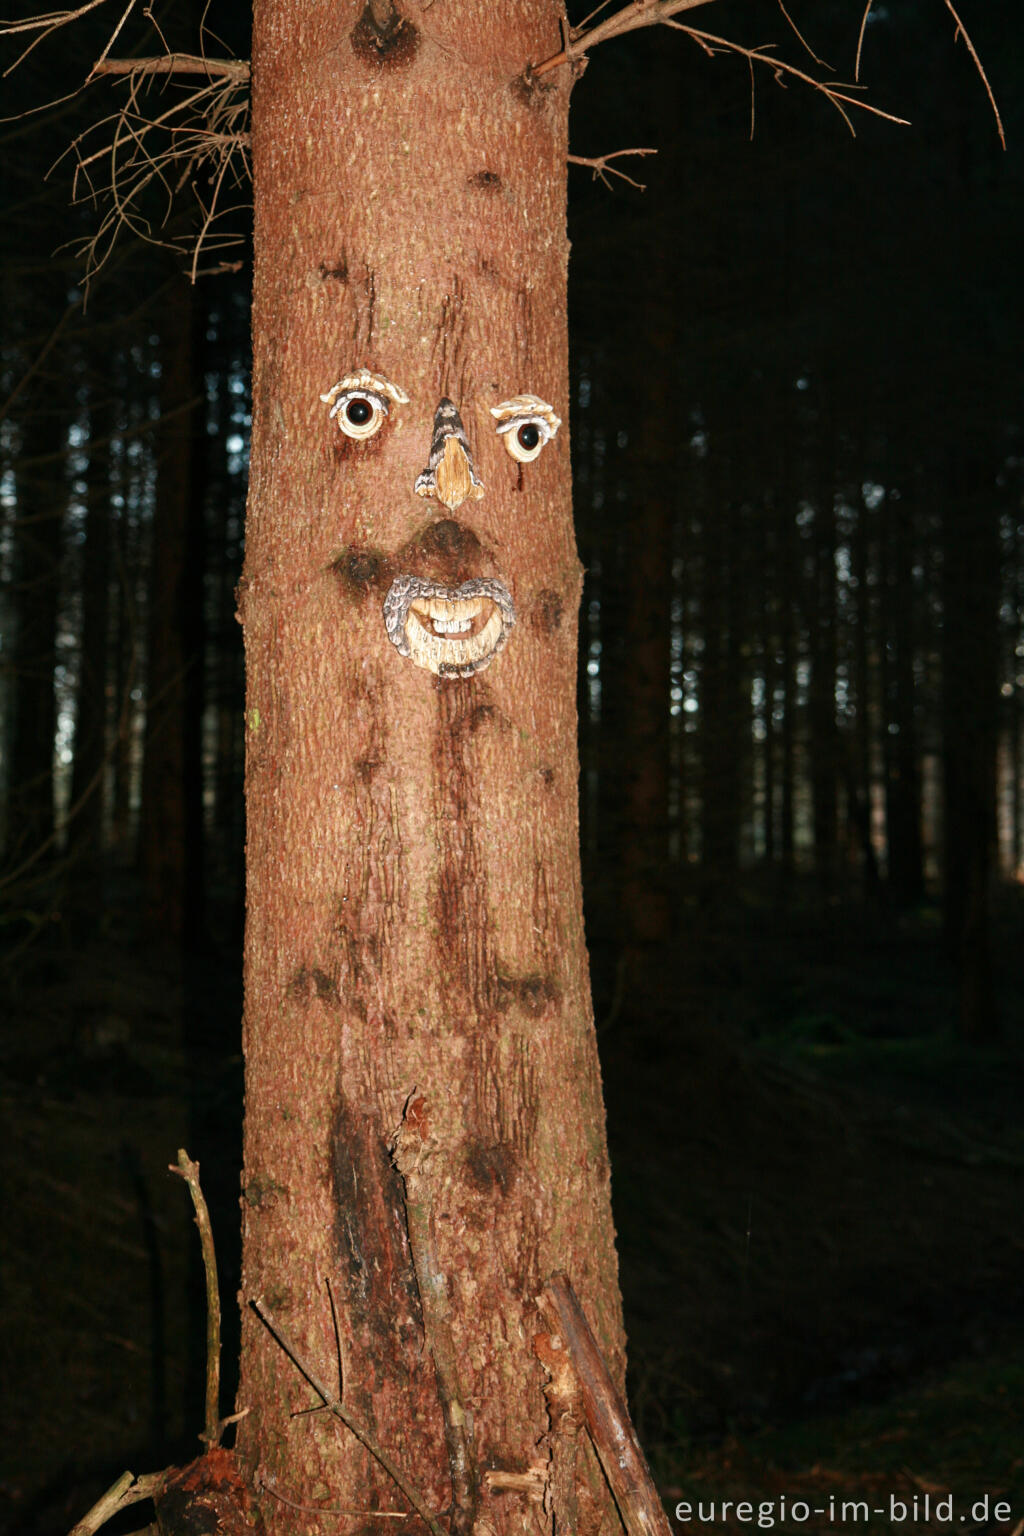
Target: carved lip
{"x":450,"y":631}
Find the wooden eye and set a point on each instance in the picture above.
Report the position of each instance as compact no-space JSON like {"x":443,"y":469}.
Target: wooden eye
{"x":360,"y":413}
{"x":359,"y":402}
{"x":525,"y":424}
{"x":525,"y":436}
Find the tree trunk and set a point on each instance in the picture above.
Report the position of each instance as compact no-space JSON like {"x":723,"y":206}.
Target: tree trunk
{"x":424,"y":1125}
{"x":823,"y":747}
{"x":902,"y":772}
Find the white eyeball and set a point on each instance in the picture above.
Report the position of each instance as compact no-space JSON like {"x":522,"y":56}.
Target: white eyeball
{"x":525,"y":424}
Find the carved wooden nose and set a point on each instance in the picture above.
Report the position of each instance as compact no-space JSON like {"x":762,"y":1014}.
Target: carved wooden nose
{"x":449,"y":475}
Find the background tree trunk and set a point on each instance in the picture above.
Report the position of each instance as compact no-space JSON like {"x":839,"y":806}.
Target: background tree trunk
{"x":970,"y":703}
{"x":170,"y":828}
{"x":88,"y":786}
{"x":41,"y":492}
{"x":416,"y":976}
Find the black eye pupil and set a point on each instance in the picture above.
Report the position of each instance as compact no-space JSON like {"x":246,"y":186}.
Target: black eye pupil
{"x":528,"y":436}
{"x":359,"y":412}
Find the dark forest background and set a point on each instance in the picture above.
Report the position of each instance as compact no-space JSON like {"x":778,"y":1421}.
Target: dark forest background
{"x":797,"y":433}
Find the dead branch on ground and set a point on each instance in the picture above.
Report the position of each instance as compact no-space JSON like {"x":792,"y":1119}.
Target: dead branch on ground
{"x":189,"y":1171}
{"x":127,"y":1490}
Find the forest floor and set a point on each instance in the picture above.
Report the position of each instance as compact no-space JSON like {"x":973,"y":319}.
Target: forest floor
{"x":818,"y":1195}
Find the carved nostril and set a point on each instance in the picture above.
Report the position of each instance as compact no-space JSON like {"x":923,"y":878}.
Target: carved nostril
{"x":450,"y":475}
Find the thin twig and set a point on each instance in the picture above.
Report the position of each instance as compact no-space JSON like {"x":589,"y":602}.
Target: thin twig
{"x":860,"y":39}
{"x":204,"y":128}
{"x":112,"y":39}
{"x":962,"y":32}
{"x":189,"y":1171}
{"x":315,"y":1509}
{"x":601,"y":169}
{"x":334,"y":1406}
{"x":803,"y":41}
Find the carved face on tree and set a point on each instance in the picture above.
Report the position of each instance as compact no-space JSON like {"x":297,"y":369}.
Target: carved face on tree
{"x":451,"y":630}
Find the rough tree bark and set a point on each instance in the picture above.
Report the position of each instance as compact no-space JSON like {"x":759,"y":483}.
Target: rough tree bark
{"x":424,"y":1127}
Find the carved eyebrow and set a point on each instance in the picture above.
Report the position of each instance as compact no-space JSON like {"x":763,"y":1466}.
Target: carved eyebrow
{"x":373,"y":383}
{"x":525,"y":407}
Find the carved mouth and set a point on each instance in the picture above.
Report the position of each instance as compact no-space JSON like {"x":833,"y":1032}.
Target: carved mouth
{"x":450,"y":631}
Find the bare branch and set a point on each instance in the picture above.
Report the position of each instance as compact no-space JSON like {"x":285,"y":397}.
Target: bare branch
{"x":201,"y":137}
{"x":961,"y":31}
{"x":49,"y":21}
{"x":602,"y":170}
{"x":174,"y":64}
{"x":44,"y":26}
{"x":642,"y":13}
{"x":655,"y":13}
{"x":834,"y":91}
